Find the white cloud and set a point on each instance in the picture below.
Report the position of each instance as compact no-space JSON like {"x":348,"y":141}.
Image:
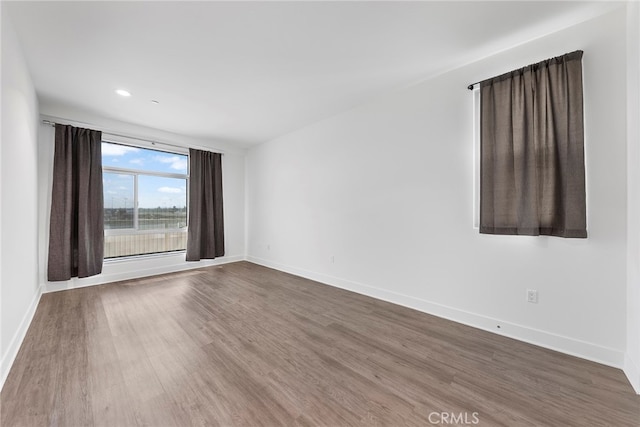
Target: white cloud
{"x":172,"y":190}
{"x":175,"y":162}
{"x":117,"y":150}
{"x":136,"y":161}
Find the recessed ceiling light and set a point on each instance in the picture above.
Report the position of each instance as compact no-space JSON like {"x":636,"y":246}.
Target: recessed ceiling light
{"x":123,"y":92}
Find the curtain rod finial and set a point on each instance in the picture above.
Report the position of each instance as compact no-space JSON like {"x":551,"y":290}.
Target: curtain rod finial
{"x":470,"y":87}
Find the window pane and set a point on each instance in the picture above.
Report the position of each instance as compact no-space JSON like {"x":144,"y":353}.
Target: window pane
{"x":162,"y":203}
{"x":144,"y":243}
{"x":142,"y":159}
{"x":118,"y":200}
{"x":155,"y":221}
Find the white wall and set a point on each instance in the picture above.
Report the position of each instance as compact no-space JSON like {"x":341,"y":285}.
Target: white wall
{"x":379,"y":200}
{"x":233,"y":164}
{"x":632,"y":360}
{"x":19,"y":287}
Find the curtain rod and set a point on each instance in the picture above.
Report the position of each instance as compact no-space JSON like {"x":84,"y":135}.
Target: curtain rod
{"x":50,"y":123}
{"x":569,"y":56}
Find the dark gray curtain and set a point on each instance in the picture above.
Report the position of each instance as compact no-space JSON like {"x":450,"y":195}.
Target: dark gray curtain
{"x":532,"y":150}
{"x":76,"y":235}
{"x":205,"y":236}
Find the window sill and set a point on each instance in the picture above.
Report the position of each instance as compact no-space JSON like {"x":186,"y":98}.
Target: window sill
{"x":130,"y":258}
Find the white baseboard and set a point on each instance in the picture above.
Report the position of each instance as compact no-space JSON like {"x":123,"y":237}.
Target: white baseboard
{"x":14,"y":346}
{"x":632,"y":371}
{"x":563,"y":344}
{"x":136,"y":273}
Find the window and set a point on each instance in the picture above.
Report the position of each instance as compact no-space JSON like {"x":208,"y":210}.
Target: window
{"x":145,"y":200}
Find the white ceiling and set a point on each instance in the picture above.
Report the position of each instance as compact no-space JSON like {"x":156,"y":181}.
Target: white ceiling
{"x":246,"y":72}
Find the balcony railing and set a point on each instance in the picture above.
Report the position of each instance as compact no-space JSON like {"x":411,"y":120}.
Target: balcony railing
{"x":152,"y":242}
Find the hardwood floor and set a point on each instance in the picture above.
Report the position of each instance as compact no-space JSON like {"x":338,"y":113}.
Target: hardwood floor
{"x":241,"y":344}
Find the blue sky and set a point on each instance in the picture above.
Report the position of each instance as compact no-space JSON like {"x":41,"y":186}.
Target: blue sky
{"x":153,"y":191}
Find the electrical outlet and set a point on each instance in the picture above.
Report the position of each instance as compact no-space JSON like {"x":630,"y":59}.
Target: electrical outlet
{"x":532,"y":296}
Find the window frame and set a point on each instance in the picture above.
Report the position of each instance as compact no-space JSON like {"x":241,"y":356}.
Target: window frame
{"x":476,"y":156}
{"x":136,"y":173}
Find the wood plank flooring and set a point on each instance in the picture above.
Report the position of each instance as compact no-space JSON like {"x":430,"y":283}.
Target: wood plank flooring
{"x":243,"y":345}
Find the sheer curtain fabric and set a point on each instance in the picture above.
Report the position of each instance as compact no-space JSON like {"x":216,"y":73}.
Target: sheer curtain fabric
{"x":532,"y":150}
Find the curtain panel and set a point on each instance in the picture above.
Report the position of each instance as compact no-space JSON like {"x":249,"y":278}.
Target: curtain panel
{"x":205,"y":235}
{"x":76,"y":234}
{"x":532,"y":150}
